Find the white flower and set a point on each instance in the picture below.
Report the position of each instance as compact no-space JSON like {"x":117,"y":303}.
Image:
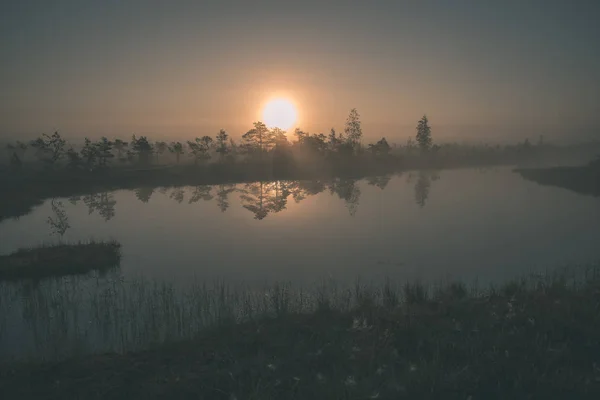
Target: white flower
{"x":271,"y":367}
{"x":350,"y":381}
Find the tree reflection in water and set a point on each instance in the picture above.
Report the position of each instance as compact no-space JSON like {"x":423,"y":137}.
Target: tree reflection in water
{"x":265,"y":198}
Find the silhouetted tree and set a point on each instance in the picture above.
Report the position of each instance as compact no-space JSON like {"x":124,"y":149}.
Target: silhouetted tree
{"x":59,"y":224}
{"x":160,"y":147}
{"x":142,"y":149}
{"x":424,"y":134}
{"x":353,"y":129}
{"x":144,"y":194}
{"x":49,"y":149}
{"x":316,"y":144}
{"x":199,"y":148}
{"x":278,"y":137}
{"x":177,"y":149}
{"x":104,"y":151}
{"x":74,"y":160}
{"x":221,"y":142}
{"x":380,"y":149}
{"x":201,"y":192}
{"x":300,"y":135}
{"x":120,"y":146}
{"x":334,"y":141}
{"x":259,"y":139}
{"x":89,"y":154}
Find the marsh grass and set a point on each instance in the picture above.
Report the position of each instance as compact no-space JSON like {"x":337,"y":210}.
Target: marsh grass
{"x":60,"y":259}
{"x":533,"y":337}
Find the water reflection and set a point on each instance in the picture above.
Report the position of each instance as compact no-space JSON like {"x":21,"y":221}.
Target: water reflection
{"x":103,"y":202}
{"x":347,"y":190}
{"x":202,"y":192}
{"x":223,"y":192}
{"x":143,"y":194}
{"x":379,"y":181}
{"x":58,"y":221}
{"x":423,"y":185}
{"x":260,"y":198}
{"x":178,"y":194}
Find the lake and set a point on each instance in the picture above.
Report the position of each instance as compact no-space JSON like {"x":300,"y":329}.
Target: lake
{"x":485,"y":225}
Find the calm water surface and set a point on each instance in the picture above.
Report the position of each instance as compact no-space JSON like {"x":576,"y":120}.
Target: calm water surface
{"x":468,"y":224}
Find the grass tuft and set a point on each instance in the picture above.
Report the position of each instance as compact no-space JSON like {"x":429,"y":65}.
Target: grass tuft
{"x":59,"y":260}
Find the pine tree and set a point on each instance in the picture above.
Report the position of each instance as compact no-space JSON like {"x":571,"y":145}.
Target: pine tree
{"x":424,"y":134}
{"x":221,"y":144}
{"x":104,"y":151}
{"x":177,"y":149}
{"x":353,"y":129}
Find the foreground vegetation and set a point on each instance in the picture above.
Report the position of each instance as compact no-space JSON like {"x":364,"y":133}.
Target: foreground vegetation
{"x":59,"y":260}
{"x":583,"y":179}
{"x":534,"y":338}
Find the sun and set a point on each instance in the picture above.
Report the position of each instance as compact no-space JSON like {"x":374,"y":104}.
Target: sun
{"x":280,"y":113}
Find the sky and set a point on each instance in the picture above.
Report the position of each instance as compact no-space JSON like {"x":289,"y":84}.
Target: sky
{"x":481,"y":70}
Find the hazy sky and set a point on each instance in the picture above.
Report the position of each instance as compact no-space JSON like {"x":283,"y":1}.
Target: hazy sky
{"x":181,"y":68}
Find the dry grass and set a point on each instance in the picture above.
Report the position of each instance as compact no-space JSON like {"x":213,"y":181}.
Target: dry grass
{"x":534,"y":338}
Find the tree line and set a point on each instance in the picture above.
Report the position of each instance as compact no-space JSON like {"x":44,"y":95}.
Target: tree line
{"x":259,"y":143}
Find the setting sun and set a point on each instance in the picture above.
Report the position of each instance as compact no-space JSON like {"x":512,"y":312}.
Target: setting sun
{"x":280,"y":113}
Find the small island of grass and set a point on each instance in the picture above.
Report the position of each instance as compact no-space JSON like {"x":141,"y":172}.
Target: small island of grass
{"x":59,"y":260}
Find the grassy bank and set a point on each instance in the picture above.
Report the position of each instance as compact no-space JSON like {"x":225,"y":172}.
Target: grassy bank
{"x":584,"y":179}
{"x":59,"y":260}
{"x":535,"y":338}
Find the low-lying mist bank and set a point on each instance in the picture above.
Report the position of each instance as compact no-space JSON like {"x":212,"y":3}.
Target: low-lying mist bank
{"x":536,"y":336}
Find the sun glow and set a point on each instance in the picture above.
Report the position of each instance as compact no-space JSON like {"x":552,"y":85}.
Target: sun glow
{"x":280,"y":113}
